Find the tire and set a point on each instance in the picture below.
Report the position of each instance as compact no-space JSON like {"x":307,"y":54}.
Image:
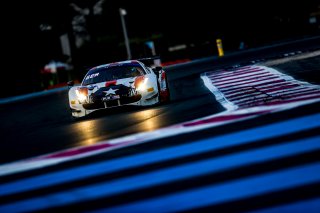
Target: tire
{"x":166,"y":98}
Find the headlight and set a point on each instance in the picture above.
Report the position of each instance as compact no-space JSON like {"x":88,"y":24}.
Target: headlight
{"x":82,"y":94}
{"x":141,"y":83}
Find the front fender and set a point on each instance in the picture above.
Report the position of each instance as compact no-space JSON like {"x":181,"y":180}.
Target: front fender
{"x":73,"y":101}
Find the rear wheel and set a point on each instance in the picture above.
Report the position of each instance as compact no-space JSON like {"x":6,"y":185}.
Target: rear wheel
{"x":164,"y":96}
{"x":168,"y":90}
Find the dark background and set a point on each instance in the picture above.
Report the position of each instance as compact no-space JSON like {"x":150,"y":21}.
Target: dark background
{"x":28,"y":46}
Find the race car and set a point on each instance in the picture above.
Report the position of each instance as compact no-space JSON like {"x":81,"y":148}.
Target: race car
{"x":117,"y":84}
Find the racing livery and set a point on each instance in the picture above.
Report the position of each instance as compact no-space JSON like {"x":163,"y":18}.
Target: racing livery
{"x":117,"y":84}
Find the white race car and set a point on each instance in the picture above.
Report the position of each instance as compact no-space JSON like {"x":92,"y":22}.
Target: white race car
{"x":117,"y":84}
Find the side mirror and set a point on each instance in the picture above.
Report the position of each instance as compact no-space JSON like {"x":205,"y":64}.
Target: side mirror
{"x":157,"y":69}
{"x":70,"y":83}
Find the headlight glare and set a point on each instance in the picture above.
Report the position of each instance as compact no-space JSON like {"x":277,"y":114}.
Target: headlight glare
{"x":82,"y":94}
{"x":142,"y":85}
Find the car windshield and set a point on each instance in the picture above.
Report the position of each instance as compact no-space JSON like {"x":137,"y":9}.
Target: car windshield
{"x":111,"y":73}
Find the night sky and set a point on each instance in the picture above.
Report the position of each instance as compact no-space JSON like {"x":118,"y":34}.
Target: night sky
{"x":179,"y":20}
{"x":175,"y":22}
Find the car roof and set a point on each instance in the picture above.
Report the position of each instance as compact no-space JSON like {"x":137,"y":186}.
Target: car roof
{"x":120,"y":63}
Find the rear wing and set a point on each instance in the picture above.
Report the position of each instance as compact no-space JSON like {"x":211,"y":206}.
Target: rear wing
{"x":148,"y":58}
{"x":151,"y":61}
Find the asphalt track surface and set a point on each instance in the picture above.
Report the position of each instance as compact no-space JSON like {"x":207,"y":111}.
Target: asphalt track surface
{"x":43,"y":125}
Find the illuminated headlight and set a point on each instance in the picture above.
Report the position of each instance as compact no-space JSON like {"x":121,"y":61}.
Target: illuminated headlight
{"x":82,"y":94}
{"x":81,"y":97}
{"x":142,"y":85}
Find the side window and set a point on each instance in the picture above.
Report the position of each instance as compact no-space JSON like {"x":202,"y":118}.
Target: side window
{"x":136,"y":71}
{"x":141,"y":71}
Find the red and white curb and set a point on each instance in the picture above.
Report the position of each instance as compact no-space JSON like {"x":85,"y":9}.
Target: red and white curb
{"x":225,"y":86}
{"x":257,"y":86}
